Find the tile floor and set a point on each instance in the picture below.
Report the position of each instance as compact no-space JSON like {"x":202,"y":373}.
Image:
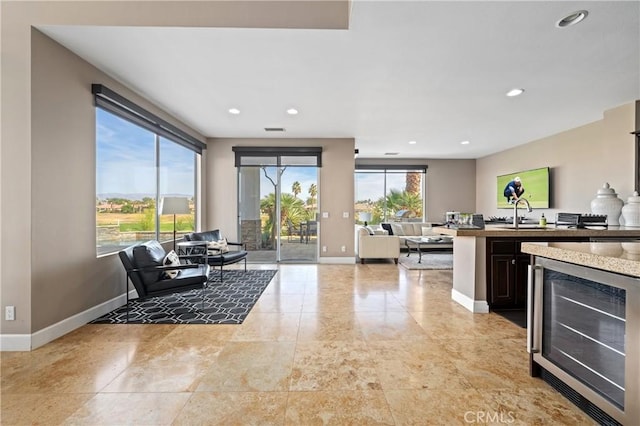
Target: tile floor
{"x":325,"y":344}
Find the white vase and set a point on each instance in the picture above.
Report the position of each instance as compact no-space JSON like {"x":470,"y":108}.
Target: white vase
{"x":631,"y":250}
{"x":631,"y":211}
{"x":607,"y":202}
{"x":606,"y":249}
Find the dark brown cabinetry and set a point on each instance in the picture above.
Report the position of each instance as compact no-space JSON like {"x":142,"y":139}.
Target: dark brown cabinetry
{"x":507,"y":269}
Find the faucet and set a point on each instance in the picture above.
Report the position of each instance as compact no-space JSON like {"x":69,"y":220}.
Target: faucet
{"x":515,"y":210}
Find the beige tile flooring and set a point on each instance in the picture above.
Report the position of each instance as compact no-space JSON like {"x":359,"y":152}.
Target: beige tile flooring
{"x":325,"y":344}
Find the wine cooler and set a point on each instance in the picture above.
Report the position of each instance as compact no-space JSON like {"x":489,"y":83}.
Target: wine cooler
{"x":584,"y":337}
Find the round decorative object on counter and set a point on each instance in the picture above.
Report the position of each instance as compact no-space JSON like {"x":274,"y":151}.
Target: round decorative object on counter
{"x":607,"y":202}
{"x":631,"y":211}
{"x":631,"y":250}
{"x":606,"y":249}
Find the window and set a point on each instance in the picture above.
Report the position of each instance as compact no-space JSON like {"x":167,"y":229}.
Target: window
{"x":385,"y":193}
{"x":135,"y":168}
{"x":177,"y":178}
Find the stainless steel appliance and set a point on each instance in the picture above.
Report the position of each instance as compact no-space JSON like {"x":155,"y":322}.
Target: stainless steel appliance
{"x":583,"y":336}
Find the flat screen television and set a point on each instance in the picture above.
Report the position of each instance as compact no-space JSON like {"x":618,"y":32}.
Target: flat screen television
{"x":536,"y":187}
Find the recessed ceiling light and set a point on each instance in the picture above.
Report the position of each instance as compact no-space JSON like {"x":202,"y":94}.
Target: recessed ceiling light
{"x":391,"y":153}
{"x":572,"y":19}
{"x":515,"y":92}
{"x":234,"y":111}
{"x":412,"y":142}
{"x":292,"y":111}
{"x":465,"y":143}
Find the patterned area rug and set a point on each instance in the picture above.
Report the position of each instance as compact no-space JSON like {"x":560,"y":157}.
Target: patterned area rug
{"x":431,"y":260}
{"x":228,"y":302}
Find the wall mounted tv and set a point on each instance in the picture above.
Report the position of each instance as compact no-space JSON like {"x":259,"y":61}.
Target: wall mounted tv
{"x":536,"y":187}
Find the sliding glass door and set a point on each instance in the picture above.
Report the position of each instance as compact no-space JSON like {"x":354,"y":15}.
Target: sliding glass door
{"x":277,"y":207}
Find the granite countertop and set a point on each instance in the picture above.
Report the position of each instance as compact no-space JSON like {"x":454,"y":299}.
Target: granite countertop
{"x":623,"y":258}
{"x":527,"y":230}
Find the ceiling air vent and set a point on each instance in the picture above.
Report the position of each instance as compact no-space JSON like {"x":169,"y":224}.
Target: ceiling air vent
{"x":274,"y":129}
{"x":391,"y":153}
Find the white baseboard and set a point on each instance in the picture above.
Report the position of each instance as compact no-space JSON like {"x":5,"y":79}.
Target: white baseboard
{"x":15,"y":342}
{"x":337,"y":260}
{"x":475,"y":306}
{"x":27,"y":342}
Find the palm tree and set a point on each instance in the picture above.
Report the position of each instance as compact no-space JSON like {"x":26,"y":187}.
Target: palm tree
{"x":313,"y":192}
{"x":401,"y":200}
{"x":291,"y":208}
{"x":296,"y":189}
{"x":413,"y":182}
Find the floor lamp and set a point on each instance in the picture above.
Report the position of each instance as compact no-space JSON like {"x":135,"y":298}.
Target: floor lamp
{"x":365,"y":217}
{"x":174,"y":206}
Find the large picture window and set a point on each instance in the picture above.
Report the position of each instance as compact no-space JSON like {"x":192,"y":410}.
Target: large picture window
{"x":135,"y":168}
{"x":387,"y":194}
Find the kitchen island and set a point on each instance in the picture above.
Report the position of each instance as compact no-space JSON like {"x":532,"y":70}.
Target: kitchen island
{"x":583,"y":328}
{"x":490,"y":270}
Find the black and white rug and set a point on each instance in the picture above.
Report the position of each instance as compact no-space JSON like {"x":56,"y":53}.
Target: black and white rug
{"x":228,"y":302}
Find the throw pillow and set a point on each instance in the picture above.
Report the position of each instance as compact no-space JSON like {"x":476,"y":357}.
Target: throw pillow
{"x":427,"y":231}
{"x":397,"y":229}
{"x":171,"y":259}
{"x":387,"y":227}
{"x":218,"y":247}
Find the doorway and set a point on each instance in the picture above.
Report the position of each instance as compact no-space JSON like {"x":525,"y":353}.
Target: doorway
{"x":277,"y":208}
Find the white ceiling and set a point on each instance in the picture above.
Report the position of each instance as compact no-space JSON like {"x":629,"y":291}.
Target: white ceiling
{"x":433,"y":72}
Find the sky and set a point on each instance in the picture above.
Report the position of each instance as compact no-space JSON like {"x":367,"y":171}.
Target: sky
{"x":305,"y":175}
{"x":126,"y":160}
{"x":367,"y":185}
{"x":370,"y":186}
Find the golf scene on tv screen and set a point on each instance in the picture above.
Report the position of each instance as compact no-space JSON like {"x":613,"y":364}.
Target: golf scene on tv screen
{"x":535,"y":183}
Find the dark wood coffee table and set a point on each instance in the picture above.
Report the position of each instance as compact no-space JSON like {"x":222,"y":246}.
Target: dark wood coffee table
{"x":419,"y":244}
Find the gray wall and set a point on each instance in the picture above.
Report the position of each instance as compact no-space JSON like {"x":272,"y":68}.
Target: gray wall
{"x":67,"y":278}
{"x":581,"y":161}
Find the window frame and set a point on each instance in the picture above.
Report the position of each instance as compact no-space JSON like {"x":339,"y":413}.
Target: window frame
{"x":384,"y":169}
{"x":120,"y":107}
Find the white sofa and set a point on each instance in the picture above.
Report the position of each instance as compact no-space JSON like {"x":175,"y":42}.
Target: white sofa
{"x":377,"y":246}
{"x":404,"y":230}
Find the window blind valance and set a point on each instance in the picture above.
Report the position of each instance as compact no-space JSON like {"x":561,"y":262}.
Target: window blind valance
{"x":379,"y":167}
{"x":111,"y":101}
{"x":278,"y":156}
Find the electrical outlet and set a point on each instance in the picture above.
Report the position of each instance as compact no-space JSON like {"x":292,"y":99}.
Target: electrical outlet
{"x":345,"y":215}
{"x":325,"y":215}
{"x":10,"y":313}
{"x":324,"y":249}
{"x":343,"y":249}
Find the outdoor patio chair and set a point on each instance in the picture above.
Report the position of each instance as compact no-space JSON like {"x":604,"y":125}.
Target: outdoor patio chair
{"x":312,"y":230}
{"x":293,"y":231}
